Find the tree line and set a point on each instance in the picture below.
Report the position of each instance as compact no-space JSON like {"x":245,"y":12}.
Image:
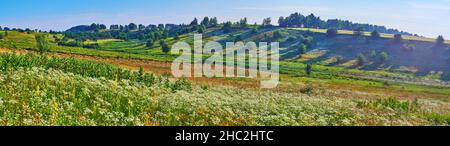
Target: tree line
{"x":312,"y":21}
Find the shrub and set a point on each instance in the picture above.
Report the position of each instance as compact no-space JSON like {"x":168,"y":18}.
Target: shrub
{"x":375,"y":34}
{"x":332,"y":32}
{"x":383,"y":57}
{"x":440,"y":40}
{"x":361,"y":60}
{"x":42,"y":43}
{"x":398,"y":38}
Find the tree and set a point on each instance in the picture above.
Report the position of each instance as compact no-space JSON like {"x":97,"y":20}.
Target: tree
{"x":361,"y":59}
{"x":359,"y":31}
{"x":332,"y":32}
{"x":42,"y":43}
{"x":213,"y":21}
{"x":164,"y":47}
{"x":201,"y":29}
{"x":398,"y":38}
{"x":373,"y":54}
{"x":375,"y":34}
{"x":281,"y":22}
{"x":205,"y":21}
{"x":243,"y":23}
{"x":194,"y":22}
{"x":277,"y":35}
{"x":267,"y":22}
{"x":227,"y":27}
{"x":254,"y":30}
{"x":440,"y":40}
{"x":308,"y":69}
{"x":302,"y":48}
{"x":149,"y":43}
{"x":132,"y":26}
{"x":383,"y":57}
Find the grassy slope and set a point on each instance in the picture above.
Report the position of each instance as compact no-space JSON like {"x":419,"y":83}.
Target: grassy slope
{"x":322,"y":76}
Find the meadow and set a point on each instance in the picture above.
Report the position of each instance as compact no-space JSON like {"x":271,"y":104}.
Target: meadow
{"x":126,"y":83}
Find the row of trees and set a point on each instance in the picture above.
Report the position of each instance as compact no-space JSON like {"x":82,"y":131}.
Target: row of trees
{"x":398,"y":38}
{"x":312,"y":21}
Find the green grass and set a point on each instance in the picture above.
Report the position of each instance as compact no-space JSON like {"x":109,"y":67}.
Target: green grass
{"x":50,"y":97}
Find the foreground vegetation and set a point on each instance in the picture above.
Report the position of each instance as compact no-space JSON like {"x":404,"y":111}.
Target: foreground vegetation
{"x":45,"y":93}
{"x":50,"y":97}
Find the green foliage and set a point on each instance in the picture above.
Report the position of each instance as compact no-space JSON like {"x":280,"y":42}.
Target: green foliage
{"x":308,"y":69}
{"x":394,"y":104}
{"x":383,"y":57}
{"x":42,"y":44}
{"x":227,"y":27}
{"x":164,"y":47}
{"x":332,"y":32}
{"x":149,"y":43}
{"x":84,"y":68}
{"x":440,"y":40}
{"x":373,"y":54}
{"x":398,"y":38}
{"x":267,"y":22}
{"x":359,"y":31}
{"x":254,"y":30}
{"x":277,"y":35}
{"x":302,"y":48}
{"x":375,"y":34}
{"x":361,"y":59}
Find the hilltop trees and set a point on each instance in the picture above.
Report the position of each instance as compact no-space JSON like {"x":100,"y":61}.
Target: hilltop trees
{"x":205,"y":21}
{"x":440,"y":40}
{"x":42,"y":43}
{"x":243,"y":23}
{"x":213,"y":21}
{"x":311,"y":21}
{"x":194,"y":22}
{"x":132,"y":26}
{"x":267,"y":22}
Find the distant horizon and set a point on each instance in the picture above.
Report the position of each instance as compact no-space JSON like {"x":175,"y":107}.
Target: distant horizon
{"x":413,"y":16}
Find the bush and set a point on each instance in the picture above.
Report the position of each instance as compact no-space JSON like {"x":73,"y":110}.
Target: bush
{"x":375,"y":34}
{"x":332,"y":32}
{"x":383,"y":57}
{"x":440,"y":40}
{"x":91,"y":46}
{"x":359,"y":31}
{"x":361,"y":59}
{"x":398,"y":38}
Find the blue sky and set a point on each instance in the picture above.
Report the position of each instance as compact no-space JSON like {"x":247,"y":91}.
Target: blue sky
{"x":425,"y":17}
